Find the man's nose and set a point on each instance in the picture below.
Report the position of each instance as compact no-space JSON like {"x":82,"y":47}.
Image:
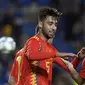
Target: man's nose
{"x":54,"y":28}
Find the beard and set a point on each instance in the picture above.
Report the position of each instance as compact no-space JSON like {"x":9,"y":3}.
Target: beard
{"x":48,"y":35}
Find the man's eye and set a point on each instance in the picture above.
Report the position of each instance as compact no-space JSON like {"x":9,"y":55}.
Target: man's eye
{"x":56,"y":24}
{"x":50,"y":23}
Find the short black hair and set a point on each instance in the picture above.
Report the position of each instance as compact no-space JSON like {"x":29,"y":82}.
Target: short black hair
{"x":48,"y":11}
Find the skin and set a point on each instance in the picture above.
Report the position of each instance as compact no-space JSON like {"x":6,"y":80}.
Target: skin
{"x":75,"y":75}
{"x":48,"y":27}
{"x":11,"y":80}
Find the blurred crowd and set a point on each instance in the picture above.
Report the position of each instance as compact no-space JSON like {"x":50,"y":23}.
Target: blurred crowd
{"x":18,"y":19}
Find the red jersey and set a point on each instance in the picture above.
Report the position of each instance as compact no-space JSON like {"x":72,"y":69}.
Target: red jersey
{"x":31,"y":67}
{"x":75,"y":62}
{"x":82,"y":72}
{"x":40,"y":55}
{"x":16,"y":66}
{"x":20,"y":68}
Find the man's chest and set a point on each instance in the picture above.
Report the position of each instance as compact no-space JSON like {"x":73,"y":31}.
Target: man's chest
{"x":43,"y":64}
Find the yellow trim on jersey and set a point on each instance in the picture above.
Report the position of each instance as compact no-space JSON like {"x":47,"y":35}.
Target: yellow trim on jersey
{"x":19,"y":58}
{"x":35,"y":37}
{"x":33,"y":79}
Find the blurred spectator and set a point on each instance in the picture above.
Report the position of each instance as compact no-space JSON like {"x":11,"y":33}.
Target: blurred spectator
{"x":55,"y":4}
{"x":83,"y":25}
{"x":10,"y":27}
{"x":3,"y":75}
{"x":70,"y":9}
{"x":71,"y":25}
{"x":78,"y":33}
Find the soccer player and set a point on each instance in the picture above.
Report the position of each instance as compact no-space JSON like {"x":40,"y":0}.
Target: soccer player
{"x":78,"y":77}
{"x":20,"y":68}
{"x":14,"y":76}
{"x":42,"y":54}
{"x":36,"y":61}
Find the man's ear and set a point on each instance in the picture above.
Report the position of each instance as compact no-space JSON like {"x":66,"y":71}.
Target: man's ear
{"x":40,"y":24}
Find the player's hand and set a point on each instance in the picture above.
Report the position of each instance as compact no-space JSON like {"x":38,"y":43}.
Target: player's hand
{"x":67,"y":63}
{"x":81,"y":53}
{"x":70,"y":54}
{"x":63,"y":55}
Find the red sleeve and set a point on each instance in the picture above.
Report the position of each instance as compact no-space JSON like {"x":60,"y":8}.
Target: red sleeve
{"x":14,"y":70}
{"x":75,"y":62}
{"x":59,"y":62}
{"x":82,"y":72}
{"x":35,"y":50}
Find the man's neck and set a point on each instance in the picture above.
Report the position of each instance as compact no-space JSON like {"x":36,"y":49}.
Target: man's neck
{"x":43,"y":37}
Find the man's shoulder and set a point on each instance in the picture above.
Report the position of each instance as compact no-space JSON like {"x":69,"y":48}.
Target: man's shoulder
{"x":20,"y":52}
{"x":33,"y":38}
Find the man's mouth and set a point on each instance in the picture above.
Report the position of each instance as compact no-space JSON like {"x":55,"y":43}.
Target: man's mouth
{"x":51,"y":32}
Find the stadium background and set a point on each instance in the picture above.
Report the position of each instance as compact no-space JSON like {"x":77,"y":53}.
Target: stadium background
{"x":18,"y":19}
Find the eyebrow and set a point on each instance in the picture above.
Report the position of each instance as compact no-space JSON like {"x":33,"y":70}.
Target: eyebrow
{"x":52,"y":22}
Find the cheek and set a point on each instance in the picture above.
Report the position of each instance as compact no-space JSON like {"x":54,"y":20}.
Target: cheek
{"x":46,"y":28}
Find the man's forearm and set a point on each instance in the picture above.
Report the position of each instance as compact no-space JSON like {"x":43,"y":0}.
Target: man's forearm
{"x":75,"y":75}
{"x":63,"y":55}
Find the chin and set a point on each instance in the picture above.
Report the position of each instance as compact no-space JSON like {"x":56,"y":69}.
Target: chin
{"x":50,"y":36}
